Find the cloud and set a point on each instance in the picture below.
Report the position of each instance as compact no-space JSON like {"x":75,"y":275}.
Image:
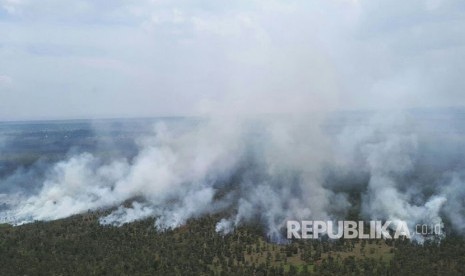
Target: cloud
{"x":11,"y":6}
{"x":212,"y":56}
{"x":404,"y":51}
{"x":5,"y":80}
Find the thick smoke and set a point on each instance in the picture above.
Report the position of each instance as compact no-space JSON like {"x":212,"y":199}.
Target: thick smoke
{"x":266,"y":170}
{"x":253,"y":167}
{"x":387,"y":149}
{"x":411,"y":166}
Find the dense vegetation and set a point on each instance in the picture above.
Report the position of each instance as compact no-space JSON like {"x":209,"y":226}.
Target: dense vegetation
{"x":80,"y":246}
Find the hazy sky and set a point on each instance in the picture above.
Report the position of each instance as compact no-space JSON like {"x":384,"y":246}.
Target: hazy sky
{"x":83,"y":58}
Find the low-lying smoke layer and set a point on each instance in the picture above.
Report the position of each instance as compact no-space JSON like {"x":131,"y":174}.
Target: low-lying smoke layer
{"x":266,"y":170}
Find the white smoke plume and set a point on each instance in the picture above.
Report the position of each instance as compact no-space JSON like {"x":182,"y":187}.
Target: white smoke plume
{"x":265,"y":170}
{"x":260,"y":164}
{"x":403,"y":182}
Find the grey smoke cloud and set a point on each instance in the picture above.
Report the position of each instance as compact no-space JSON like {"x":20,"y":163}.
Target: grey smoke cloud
{"x":146,"y":58}
{"x":266,"y":170}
